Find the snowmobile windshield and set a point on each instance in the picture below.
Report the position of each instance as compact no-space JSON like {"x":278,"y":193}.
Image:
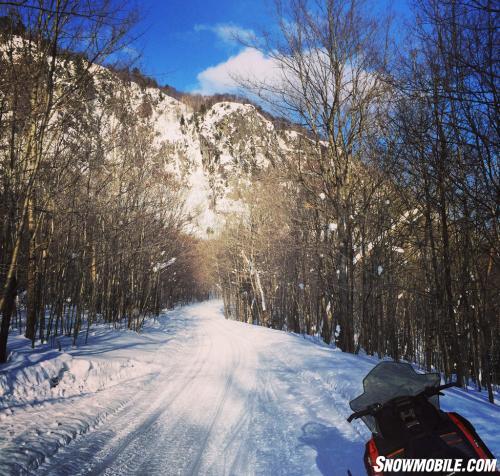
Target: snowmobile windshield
{"x":389,"y":380}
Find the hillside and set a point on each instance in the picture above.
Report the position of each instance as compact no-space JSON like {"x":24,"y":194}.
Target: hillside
{"x":212,"y":151}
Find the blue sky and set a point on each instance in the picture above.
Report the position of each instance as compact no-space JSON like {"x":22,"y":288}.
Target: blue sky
{"x":190,"y":45}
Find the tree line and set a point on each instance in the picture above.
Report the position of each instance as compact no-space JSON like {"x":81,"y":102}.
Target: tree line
{"x":92,"y":225}
{"x":378,"y":229}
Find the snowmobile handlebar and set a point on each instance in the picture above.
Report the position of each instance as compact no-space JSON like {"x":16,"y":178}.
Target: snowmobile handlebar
{"x":371,"y":410}
{"x":430,"y":391}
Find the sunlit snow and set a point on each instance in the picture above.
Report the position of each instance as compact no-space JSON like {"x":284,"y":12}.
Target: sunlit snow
{"x":196,"y":394}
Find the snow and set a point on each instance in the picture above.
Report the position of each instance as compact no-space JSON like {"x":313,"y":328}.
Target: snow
{"x":193,"y":394}
{"x":161,"y":266}
{"x":221,"y":109}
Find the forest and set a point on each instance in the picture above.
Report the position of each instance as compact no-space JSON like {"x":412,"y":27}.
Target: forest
{"x":378,"y":232}
{"x":89,"y":223}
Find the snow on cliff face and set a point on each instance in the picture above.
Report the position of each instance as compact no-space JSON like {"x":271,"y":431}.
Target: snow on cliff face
{"x":211,"y":152}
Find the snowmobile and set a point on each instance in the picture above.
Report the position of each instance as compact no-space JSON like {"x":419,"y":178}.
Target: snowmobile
{"x":401,"y":409}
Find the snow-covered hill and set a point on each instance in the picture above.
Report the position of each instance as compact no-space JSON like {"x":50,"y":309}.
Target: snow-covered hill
{"x":211,"y":151}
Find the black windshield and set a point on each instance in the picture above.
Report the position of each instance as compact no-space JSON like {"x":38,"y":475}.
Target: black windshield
{"x":389,"y":380}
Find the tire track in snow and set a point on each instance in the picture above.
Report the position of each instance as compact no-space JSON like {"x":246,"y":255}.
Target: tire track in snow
{"x":97,"y":448}
{"x":229,"y":381}
{"x":143,"y":432}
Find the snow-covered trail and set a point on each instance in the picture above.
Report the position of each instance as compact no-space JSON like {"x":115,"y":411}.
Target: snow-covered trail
{"x":229,"y":400}
{"x":218,"y":397}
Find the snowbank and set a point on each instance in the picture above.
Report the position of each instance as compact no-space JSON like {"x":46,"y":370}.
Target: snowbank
{"x":34,"y":379}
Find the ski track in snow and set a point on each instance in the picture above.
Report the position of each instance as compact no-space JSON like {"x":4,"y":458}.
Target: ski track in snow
{"x":221,"y":398}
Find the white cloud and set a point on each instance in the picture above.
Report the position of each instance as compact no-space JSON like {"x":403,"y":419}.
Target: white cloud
{"x":248,"y":64}
{"x":254,"y":67}
{"x":228,"y":33}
